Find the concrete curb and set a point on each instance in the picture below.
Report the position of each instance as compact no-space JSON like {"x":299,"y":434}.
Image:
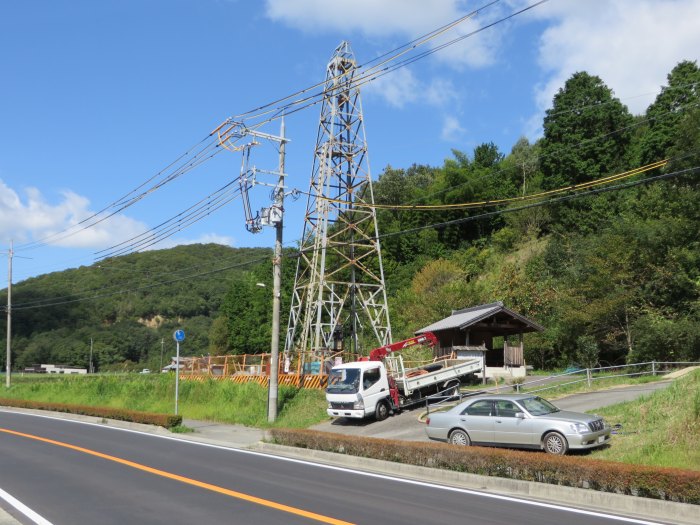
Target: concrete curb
{"x":631,"y":506}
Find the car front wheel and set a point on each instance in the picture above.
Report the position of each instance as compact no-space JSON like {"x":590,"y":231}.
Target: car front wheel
{"x":460,"y":437}
{"x":555,"y":443}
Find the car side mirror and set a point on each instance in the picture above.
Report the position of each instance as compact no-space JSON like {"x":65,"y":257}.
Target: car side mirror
{"x":520,"y":415}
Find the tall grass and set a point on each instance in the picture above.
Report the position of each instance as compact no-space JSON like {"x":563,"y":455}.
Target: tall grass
{"x":221,"y":401}
{"x":662,"y":429}
{"x":554,"y":391}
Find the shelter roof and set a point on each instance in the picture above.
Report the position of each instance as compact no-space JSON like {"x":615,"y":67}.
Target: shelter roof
{"x":468,"y":317}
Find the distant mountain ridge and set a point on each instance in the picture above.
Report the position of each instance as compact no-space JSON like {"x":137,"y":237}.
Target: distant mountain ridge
{"x":127,"y":305}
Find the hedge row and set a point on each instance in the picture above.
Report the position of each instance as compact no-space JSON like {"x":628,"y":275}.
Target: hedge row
{"x":148,"y":418}
{"x":650,"y":482}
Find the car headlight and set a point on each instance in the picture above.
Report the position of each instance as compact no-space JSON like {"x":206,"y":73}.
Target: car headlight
{"x":359,"y":404}
{"x":329,"y":405}
{"x":579,"y":428}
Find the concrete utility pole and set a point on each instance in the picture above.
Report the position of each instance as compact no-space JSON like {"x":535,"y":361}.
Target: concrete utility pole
{"x":91,"y":369}
{"x":276,"y":288}
{"x":271,"y":216}
{"x":8,"y":365}
{"x":162,"y":346}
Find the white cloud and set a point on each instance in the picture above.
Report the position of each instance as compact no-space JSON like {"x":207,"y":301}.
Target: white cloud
{"x":441,"y":92}
{"x":407,"y":19}
{"x":398,"y":89}
{"x":36,"y":219}
{"x":402,"y":87}
{"x":630,"y":44}
{"x":452,"y":131}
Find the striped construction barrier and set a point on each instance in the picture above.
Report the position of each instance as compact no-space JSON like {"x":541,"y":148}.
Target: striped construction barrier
{"x":295,"y":380}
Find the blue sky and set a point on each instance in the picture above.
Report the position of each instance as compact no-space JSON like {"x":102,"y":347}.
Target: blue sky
{"x":98,"y":96}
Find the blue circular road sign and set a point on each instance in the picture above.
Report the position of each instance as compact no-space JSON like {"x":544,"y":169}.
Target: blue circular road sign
{"x":179,"y":336}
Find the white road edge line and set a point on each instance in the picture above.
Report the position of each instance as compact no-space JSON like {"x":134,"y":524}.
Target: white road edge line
{"x":514,"y":499}
{"x":21,"y":507}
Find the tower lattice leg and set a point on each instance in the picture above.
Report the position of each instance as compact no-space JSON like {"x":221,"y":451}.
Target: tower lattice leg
{"x":339,"y":298}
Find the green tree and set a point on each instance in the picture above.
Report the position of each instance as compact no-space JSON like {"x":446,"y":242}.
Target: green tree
{"x":587,"y":351}
{"x":435,"y":290}
{"x":680,"y":96}
{"x":586,"y":133}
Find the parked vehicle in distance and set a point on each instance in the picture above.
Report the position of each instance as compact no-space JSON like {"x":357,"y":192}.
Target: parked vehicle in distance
{"x":145,"y":371}
{"x":517,"y":420}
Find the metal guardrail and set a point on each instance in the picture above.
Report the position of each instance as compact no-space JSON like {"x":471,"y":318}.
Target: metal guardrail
{"x":656,"y":367}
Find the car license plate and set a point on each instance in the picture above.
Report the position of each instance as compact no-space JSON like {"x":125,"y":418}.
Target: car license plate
{"x":601,"y":439}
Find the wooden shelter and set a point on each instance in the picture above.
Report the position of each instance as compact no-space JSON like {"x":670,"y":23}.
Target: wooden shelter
{"x":470,"y":333}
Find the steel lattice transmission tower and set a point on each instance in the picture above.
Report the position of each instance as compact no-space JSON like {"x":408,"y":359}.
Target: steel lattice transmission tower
{"x":339,"y":291}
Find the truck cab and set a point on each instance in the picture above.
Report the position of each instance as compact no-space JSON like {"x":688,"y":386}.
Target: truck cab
{"x":359,"y":390}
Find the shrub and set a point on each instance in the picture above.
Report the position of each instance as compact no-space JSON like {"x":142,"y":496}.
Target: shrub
{"x":659,"y":483}
{"x":147,"y":418}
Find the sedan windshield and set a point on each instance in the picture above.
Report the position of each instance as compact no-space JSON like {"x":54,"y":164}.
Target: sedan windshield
{"x":538,"y":406}
{"x":343,"y":381}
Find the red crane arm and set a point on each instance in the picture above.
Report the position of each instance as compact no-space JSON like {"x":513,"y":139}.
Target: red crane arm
{"x":427,"y":338}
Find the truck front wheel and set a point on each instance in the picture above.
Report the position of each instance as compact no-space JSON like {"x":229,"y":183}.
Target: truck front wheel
{"x":382,"y":411}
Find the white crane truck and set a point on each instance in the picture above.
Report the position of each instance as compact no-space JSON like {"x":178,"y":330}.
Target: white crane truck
{"x":379,"y":384}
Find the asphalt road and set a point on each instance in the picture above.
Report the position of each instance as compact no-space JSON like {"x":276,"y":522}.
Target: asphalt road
{"x":74,"y":473}
{"x":603,"y":398}
{"x":407,"y":425}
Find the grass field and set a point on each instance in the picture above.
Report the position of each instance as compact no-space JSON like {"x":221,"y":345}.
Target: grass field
{"x":662,"y":429}
{"x":221,"y":401}
{"x":600,"y":382}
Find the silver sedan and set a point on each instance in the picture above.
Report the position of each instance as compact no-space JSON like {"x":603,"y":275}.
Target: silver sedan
{"x":517,"y":420}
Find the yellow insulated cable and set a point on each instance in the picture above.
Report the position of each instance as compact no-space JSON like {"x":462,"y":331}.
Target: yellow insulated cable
{"x":498,"y":202}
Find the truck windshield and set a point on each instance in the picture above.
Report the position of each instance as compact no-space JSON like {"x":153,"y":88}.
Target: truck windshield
{"x":344,"y":381}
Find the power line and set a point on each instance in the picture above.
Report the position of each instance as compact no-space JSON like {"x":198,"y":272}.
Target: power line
{"x":144,"y":276}
{"x":500,"y":202}
{"x":167,"y":228}
{"x":128,"y":200}
{"x":444,"y":224}
{"x":396,"y":52}
{"x":147,"y":287}
{"x":615,"y":100}
{"x":209,"y":149}
{"x":546,"y":202}
{"x":577,"y":145}
{"x":376,"y":72}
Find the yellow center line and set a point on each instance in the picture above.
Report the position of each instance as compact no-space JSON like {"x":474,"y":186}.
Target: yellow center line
{"x":183,"y":479}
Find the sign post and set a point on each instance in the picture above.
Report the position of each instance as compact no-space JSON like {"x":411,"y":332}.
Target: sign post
{"x":179,"y":336}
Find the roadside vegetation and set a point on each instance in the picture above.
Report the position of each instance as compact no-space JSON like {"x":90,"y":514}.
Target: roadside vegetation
{"x":662,"y":429}
{"x":578,"y":384}
{"x":221,"y":401}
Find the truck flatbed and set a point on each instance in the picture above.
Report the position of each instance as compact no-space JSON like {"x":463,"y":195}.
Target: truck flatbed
{"x":410,"y":379}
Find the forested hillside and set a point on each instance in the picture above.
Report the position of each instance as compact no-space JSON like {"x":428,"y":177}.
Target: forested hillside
{"x":614,"y":276}
{"x":126,"y":305}
{"x":613,"y":272}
